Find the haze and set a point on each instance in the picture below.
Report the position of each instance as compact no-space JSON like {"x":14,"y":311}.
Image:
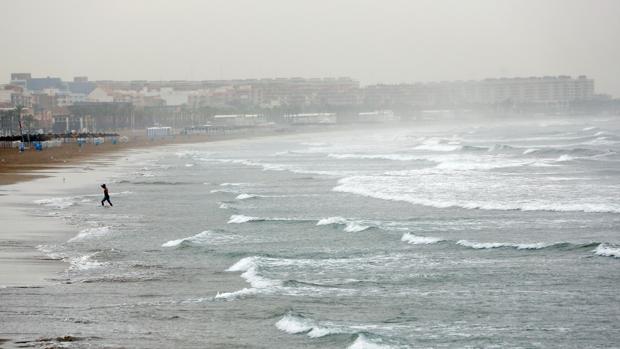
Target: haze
{"x":373,"y":41}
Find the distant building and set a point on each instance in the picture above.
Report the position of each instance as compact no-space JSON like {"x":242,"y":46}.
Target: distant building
{"x":241,"y":120}
{"x":532,"y":90}
{"x":312,"y":118}
{"x":377,"y":116}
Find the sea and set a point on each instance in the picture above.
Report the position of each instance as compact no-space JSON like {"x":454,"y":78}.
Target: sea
{"x":454,"y":234}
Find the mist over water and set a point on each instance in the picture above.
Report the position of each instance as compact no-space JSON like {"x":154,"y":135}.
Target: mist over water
{"x":483,"y":234}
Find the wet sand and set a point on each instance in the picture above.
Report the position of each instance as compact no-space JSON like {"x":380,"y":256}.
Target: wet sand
{"x":32,"y":175}
{"x":22,"y":264}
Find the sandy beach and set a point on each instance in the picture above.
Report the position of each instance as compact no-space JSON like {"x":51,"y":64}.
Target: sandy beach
{"x":32,"y":175}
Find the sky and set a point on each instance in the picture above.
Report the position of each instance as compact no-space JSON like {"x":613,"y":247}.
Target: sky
{"x":380,"y":41}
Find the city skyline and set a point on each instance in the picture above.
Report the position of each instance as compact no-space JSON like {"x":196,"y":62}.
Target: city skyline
{"x":387,"y":42}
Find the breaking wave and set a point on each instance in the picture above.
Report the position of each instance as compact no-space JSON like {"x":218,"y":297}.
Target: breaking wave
{"x":420,"y":240}
{"x":394,"y":157}
{"x":607,"y":250}
{"x":85,"y":262}
{"x":297,"y":324}
{"x":524,"y":246}
{"x":90,"y":233}
{"x":249,"y":267}
{"x":245,"y":196}
{"x":238,"y":219}
{"x":198,"y":239}
{"x":351,"y":226}
{"x":384,"y":188}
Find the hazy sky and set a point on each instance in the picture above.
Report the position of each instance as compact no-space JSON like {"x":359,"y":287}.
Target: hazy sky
{"x":373,"y":41}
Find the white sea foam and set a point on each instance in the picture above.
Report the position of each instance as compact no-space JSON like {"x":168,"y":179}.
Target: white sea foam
{"x":245,"y":196}
{"x":249,"y":266}
{"x":419,"y":240}
{"x":199,"y":238}
{"x":394,"y":157}
{"x":350,"y":225}
{"x":362,"y":342}
{"x":59,"y":203}
{"x":481,"y":165}
{"x":530,"y":150}
{"x":90,"y":233}
{"x":355,"y":227}
{"x":315,"y":144}
{"x":295,"y":324}
{"x":439,"y":147}
{"x":332,"y":220}
{"x":224,"y":206}
{"x":490,"y":245}
{"x":436,"y":190}
{"x":85,"y":262}
{"x":233,"y":184}
{"x":607,"y":250}
{"x":236,"y":294}
{"x":564,"y":158}
{"x":238,"y":218}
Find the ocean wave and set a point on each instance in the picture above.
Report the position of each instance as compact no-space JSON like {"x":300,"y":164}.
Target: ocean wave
{"x":525,"y":246}
{"x":394,"y":157}
{"x":363,"y":342}
{"x":238,"y":219}
{"x":234,"y":184}
{"x":249,"y":267}
{"x":298,"y":324}
{"x":607,"y":250}
{"x":59,"y":203}
{"x":420,"y":240}
{"x":315,"y":144}
{"x":90,"y":233}
{"x":85,"y":262}
{"x":439,"y":147}
{"x":500,"y":147}
{"x":198,"y":239}
{"x":351,"y":226}
{"x":245,"y":196}
{"x":383,"y":187}
{"x":281,"y":167}
{"x":481,"y":165}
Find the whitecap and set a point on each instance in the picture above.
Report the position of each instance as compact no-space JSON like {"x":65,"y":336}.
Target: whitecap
{"x":59,"y":203}
{"x":394,"y":157}
{"x":238,"y":218}
{"x":350,"y":225}
{"x":564,"y":158}
{"x":90,"y":233}
{"x":199,"y":238}
{"x":606,"y":250}
{"x":245,"y":196}
{"x":85,"y":262}
{"x":439,"y":147}
{"x":332,"y":220}
{"x":419,"y":240}
{"x":490,"y":245}
{"x":295,"y":324}
{"x":355,"y":227}
{"x":362,"y":342}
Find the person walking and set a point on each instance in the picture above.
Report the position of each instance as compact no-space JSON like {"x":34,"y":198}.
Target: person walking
{"x":106,"y":196}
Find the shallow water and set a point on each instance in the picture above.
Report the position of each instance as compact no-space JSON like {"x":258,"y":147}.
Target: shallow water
{"x":473,"y":236}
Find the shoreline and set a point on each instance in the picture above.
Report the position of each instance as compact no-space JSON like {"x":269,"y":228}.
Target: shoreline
{"x":22,"y":264}
{"x":16,"y":167}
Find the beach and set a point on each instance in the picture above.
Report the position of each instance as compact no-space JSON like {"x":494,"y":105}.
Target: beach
{"x":403,"y":237}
